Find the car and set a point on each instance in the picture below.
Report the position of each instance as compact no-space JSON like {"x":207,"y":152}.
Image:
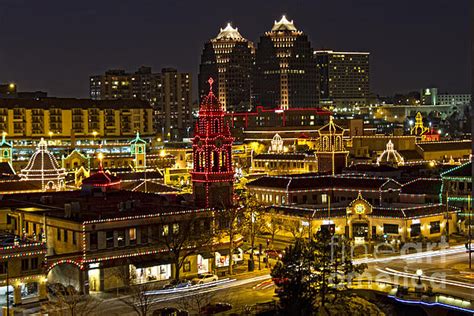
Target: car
{"x":170,"y":311}
{"x":177,"y":284}
{"x":274,"y":254}
{"x":256,"y":252}
{"x":211,"y":309}
{"x":280,"y":281}
{"x":205,"y":278}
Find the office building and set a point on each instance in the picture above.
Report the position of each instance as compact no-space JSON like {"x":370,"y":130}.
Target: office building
{"x":285,"y":69}
{"x":344,"y":77}
{"x":228,"y":59}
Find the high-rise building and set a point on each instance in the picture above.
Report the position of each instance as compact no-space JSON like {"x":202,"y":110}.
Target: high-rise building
{"x":285,"y":69}
{"x":173,"y":111}
{"x":343,"y":77}
{"x":227,"y":59}
{"x":169,"y":92}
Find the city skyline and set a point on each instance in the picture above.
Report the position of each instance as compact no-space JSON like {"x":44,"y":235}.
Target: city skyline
{"x":90,"y":45}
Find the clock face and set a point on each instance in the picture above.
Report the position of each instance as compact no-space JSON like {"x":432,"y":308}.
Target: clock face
{"x":360,"y":208}
{"x":219,"y":142}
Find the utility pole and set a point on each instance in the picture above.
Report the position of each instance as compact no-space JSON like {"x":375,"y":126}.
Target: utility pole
{"x":469,"y":241}
{"x":8,"y":291}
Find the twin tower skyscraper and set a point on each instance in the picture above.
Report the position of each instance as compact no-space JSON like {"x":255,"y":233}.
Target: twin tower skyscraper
{"x":280,"y":72}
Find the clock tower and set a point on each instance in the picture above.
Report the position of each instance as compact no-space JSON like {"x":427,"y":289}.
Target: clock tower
{"x":212,"y":175}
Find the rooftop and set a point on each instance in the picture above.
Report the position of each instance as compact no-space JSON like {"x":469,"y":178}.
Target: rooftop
{"x":71,"y":103}
{"x":229,"y":33}
{"x":283,"y":25}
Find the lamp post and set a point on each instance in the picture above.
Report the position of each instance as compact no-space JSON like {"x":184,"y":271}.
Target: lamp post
{"x":94,"y":133}
{"x":419,"y":273}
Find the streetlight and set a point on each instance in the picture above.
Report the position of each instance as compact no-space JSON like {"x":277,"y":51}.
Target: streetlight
{"x":50,"y":135}
{"x":419,"y":273}
{"x":94,"y":133}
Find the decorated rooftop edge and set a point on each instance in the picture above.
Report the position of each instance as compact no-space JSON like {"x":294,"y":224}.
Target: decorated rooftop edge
{"x":283,"y":25}
{"x":229,"y":33}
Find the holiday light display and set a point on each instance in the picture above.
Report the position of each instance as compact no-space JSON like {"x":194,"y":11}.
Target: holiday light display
{"x":5,"y":150}
{"x":212,"y":174}
{"x":390,"y":156}
{"x":330,"y":151}
{"x":44,"y":168}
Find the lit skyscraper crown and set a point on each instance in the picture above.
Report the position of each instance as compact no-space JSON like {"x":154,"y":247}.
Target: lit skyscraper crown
{"x":284,"y":25}
{"x":229,"y":33}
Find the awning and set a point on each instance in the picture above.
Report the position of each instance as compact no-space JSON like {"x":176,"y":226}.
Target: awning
{"x":207,"y":255}
{"x":140,"y":264}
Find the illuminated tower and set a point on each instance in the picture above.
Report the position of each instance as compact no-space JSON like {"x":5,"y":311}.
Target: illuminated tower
{"x":6,"y":149}
{"x":419,"y":129}
{"x":212,"y":173}
{"x":330,"y":151}
{"x":138,"y":150}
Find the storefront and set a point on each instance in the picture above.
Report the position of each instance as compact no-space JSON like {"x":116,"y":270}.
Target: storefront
{"x":143,"y":273}
{"x":222,"y":257}
{"x":204,"y":262}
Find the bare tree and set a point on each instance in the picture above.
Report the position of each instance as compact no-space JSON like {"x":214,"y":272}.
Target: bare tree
{"x":254,"y":220}
{"x":69,"y":301}
{"x":296,"y":228}
{"x":229,"y":225}
{"x":274,"y":223}
{"x":138,"y":299}
{"x":185,"y":238}
{"x":194,"y":302}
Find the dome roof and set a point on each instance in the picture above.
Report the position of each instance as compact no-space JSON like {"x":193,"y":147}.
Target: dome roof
{"x":43,"y":166}
{"x":390,"y":156}
{"x":229,"y":33}
{"x":210,"y":102}
{"x":283,"y":25}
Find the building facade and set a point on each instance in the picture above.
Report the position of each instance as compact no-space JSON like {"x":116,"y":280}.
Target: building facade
{"x":228,"y":59}
{"x":69,"y":119}
{"x":169,"y":93}
{"x":344,"y":77}
{"x":285,"y":69}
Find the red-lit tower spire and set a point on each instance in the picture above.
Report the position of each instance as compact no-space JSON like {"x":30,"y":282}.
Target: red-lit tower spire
{"x":212,"y":174}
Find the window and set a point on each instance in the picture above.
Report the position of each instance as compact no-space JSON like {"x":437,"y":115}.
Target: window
{"x":144,"y":235}
{"x":390,"y":229}
{"x":175,"y":228}
{"x":435,"y":227}
{"x":187,"y":266}
{"x":74,"y":238}
{"x":415,"y":230}
{"x":34,"y":263}
{"x":93,"y":240}
{"x":121,"y":238}
{"x":3,"y":267}
{"x":165,"y":230}
{"x":65,"y":235}
{"x":132,"y":233}
{"x":324,"y":198}
{"x":109,"y":239}
{"x":24,"y":264}
{"x":58,"y":234}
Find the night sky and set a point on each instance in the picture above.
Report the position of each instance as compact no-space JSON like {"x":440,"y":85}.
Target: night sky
{"x":54,"y":45}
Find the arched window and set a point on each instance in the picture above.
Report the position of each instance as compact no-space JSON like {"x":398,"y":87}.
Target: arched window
{"x":216,"y":126}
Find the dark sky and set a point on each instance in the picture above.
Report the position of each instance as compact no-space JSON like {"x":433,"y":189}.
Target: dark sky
{"x":54,"y":45}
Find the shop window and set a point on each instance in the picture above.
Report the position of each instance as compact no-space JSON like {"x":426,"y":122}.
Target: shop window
{"x":93,"y":240}
{"x":132,"y":233}
{"x":324,"y":198}
{"x":390,"y":229}
{"x":109,"y":239}
{"x":24,"y":264}
{"x":435,"y":227}
{"x":415,"y":230}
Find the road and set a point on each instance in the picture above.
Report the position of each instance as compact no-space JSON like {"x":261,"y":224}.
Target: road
{"x":437,"y":269}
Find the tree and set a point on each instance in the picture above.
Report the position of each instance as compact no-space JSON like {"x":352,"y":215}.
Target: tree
{"x":185,"y":238}
{"x":274,"y":224}
{"x":68,"y":299}
{"x":293,"y":278}
{"x":253,"y":219}
{"x":230,"y":220}
{"x":316,"y":273}
{"x":138,"y":299}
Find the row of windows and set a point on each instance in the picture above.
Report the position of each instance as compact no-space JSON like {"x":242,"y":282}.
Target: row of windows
{"x":65,"y":235}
